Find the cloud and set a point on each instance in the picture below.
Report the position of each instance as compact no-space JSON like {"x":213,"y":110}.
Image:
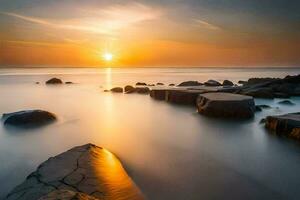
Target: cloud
{"x":107,"y":21}
{"x":204,"y":24}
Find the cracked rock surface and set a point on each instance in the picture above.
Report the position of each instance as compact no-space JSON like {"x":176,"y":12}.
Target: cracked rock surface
{"x":85,"y":172}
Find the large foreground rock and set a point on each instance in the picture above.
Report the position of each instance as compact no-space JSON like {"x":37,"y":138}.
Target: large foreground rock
{"x":285,"y":125}
{"x":28,"y":118}
{"x":226,"y":105}
{"x":84,"y":172}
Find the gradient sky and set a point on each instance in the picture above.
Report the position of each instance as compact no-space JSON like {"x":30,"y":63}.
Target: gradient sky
{"x":150,"y":32}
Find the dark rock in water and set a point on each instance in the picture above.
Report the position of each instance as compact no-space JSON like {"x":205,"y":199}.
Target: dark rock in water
{"x":258,"y":109}
{"x":37,"y":83}
{"x":285,"y":125}
{"x":227,"y":83}
{"x":158,"y":94}
{"x":105,"y":90}
{"x":54,"y":81}
{"x":86,"y":172}
{"x":142,"y":90}
{"x":265,"y":93}
{"x":226,"y":105}
{"x":69,"y":82}
{"x":160,"y":84}
{"x":172,"y":84}
{"x":190,"y":83}
{"x":28,"y":118}
{"x":286,"y":102}
{"x":212,"y":83}
{"x":242,"y":82}
{"x":253,"y":81}
{"x":129,"y":89}
{"x":281,"y":95}
{"x":185,"y":97}
{"x":141,"y":83}
{"x":117,"y":90}
{"x":262,"y":121}
{"x":263,"y":106}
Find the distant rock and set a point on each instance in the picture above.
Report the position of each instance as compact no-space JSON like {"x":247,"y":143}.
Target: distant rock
{"x":242,"y":82}
{"x":28,"y":118}
{"x":117,"y":90}
{"x":212,"y":83}
{"x":37,"y":83}
{"x":286,"y":102}
{"x":129,"y":89}
{"x":189,"y":83}
{"x":227,"y":83}
{"x":54,"y":81}
{"x":86,"y":172}
{"x":151,"y":85}
{"x":172,"y":84}
{"x":69,"y":82}
{"x":160,"y":84}
{"x":226,"y":105}
{"x":105,"y":90}
{"x":284,"y":125}
{"x":141,"y":83}
{"x":142,"y":90}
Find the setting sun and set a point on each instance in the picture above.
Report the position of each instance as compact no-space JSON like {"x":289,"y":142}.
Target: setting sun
{"x":107,"y":56}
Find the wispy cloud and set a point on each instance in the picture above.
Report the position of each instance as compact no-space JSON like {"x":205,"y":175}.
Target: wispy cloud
{"x":106,"y":21}
{"x":205,"y":24}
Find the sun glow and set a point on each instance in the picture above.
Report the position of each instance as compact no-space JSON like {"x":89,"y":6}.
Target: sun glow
{"x":107,"y":56}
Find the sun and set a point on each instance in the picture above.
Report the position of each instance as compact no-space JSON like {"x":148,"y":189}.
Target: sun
{"x":107,"y":56}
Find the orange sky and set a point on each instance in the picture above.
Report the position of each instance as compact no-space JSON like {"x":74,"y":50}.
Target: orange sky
{"x":144,"y":34}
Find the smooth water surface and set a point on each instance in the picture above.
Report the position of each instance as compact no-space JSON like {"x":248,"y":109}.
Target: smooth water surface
{"x":170,"y":151}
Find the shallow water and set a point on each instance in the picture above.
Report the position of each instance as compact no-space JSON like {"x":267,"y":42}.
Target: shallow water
{"x":170,"y":151}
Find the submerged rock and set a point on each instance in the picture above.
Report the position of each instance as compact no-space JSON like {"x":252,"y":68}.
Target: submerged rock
{"x":226,"y":105}
{"x":286,"y":102}
{"x":284,"y":125}
{"x":129,"y":89}
{"x":28,"y":118}
{"x":190,"y":83}
{"x":54,"y":81}
{"x":117,"y":90}
{"x":227,"y":83}
{"x":84,"y":172}
{"x":212,"y":83}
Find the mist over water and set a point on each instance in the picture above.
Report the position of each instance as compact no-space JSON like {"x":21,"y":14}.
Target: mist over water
{"x":170,"y":151}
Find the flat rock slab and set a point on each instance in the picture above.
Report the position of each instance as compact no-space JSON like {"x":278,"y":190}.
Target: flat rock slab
{"x":28,"y":118}
{"x":87,"y":171}
{"x":284,"y":125}
{"x":226,"y":105}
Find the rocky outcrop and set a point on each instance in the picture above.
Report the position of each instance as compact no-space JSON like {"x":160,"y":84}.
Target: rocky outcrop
{"x":212,"y":83}
{"x":227,"y":83}
{"x":226,"y":105}
{"x":54,"y":81}
{"x":284,"y":125}
{"x":117,"y":90}
{"x":85,"y":172}
{"x":190,"y":83}
{"x":28,"y":118}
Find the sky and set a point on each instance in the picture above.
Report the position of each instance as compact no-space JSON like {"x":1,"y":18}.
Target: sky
{"x":146,"y":33}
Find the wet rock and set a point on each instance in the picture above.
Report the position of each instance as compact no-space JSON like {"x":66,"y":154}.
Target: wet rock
{"x":212,"y":83}
{"x":117,"y":90}
{"x":265,"y":93}
{"x":142,"y":90}
{"x":129,"y":89}
{"x":54,"y":81}
{"x":284,"y":125}
{"x":286,"y":102}
{"x":227,"y":83}
{"x":84,"y":172}
{"x":185,"y":97}
{"x":262,"y":121}
{"x":141,"y":83}
{"x":226,"y":105}
{"x":160,"y":84}
{"x":172,"y":84}
{"x":190,"y":83}
{"x":258,"y":109}
{"x":28,"y":118}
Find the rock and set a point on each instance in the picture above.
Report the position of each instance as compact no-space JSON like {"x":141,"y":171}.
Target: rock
{"x":117,"y":90}
{"x":285,"y":125}
{"x":227,"y":83}
{"x":129,"y":89}
{"x":253,"y":81}
{"x":212,"y":83}
{"x":263,"y":106}
{"x":258,"y":109}
{"x":265,"y":93}
{"x":172,"y":84}
{"x":160,"y":84}
{"x":242,"y":82}
{"x":54,"y":81}
{"x":142,"y":90}
{"x":105,"y":90}
{"x":286,"y":102}
{"x":262,"y":121}
{"x":281,"y":95}
{"x":37,"y":83}
{"x":158,"y":94}
{"x":226,"y":105}
{"x":88,"y":172}
{"x":28,"y":118}
{"x":69,"y":82}
{"x":141,"y":83}
{"x":189,"y":83}
{"x":185,"y":97}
